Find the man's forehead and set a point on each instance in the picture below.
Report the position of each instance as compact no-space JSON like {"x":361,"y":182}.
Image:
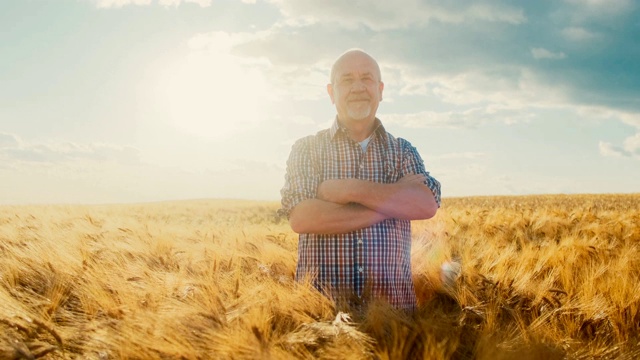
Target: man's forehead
{"x":350,"y":72}
{"x":355,"y":62}
{"x":360,"y":66}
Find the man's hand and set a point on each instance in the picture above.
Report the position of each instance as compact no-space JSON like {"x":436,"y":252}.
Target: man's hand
{"x":407,"y":199}
{"x":344,"y":205}
{"x":315,"y":216}
{"x":342,"y":191}
{"x":335,"y":190}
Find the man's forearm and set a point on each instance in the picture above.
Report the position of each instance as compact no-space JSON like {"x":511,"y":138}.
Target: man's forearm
{"x":407,"y":199}
{"x":315,"y":216}
{"x":412,"y":202}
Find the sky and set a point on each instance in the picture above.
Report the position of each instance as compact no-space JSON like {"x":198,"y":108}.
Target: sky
{"x":129,"y":101}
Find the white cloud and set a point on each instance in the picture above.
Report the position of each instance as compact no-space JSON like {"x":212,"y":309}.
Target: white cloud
{"x":285,"y":81}
{"x":602,"y":12}
{"x":9,"y":140}
{"x":380,"y":15}
{"x":202,"y":3}
{"x":492,"y":13}
{"x":223,"y":42}
{"x":509,"y":87}
{"x":297,"y":120}
{"x":467,"y":155}
{"x":629,"y":118}
{"x":299,"y":83}
{"x":106,"y":4}
{"x":605,"y":113}
{"x":489,"y":97}
{"x":406,"y":80}
{"x":603,"y":7}
{"x":579,"y":34}
{"x":610,"y":150}
{"x":425,"y":119}
{"x":17,"y":151}
{"x":120,"y":3}
{"x":632,"y":144}
{"x":496,"y":94}
{"x":470,"y":118}
{"x":542,"y":53}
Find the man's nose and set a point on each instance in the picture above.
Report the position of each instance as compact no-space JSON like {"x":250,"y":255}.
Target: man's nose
{"x":358,"y":85}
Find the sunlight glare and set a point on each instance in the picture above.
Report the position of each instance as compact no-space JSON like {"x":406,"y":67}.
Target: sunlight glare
{"x":213,"y":94}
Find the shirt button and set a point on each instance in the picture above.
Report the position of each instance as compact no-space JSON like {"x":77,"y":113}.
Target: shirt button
{"x":359,"y":241}
{"x":360,"y":269}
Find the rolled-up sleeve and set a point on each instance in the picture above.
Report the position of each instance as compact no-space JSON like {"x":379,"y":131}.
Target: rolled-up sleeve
{"x":412,"y":163}
{"x":301,"y":178}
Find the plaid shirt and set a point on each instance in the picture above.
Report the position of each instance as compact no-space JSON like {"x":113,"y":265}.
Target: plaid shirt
{"x":373,"y":261}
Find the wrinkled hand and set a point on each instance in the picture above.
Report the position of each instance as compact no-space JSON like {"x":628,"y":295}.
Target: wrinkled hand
{"x":334,"y":190}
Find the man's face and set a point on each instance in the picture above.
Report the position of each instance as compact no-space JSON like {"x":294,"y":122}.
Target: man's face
{"x":356,"y":89}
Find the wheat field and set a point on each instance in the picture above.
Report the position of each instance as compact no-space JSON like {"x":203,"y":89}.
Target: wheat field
{"x":542,"y":277}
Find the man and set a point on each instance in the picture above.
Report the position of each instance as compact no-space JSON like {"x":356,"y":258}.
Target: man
{"x":350,"y":192}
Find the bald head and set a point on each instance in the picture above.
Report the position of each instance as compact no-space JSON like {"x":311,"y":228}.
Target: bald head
{"x":356,"y":90}
{"x":350,"y":54}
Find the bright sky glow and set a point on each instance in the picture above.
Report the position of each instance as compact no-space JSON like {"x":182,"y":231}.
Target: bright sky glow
{"x":121,"y":101}
{"x":211,"y":93}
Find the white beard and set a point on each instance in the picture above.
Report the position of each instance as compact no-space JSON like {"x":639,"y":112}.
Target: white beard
{"x":359,"y":113}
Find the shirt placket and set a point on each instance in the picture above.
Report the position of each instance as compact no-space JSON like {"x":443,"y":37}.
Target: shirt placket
{"x":359,"y":246}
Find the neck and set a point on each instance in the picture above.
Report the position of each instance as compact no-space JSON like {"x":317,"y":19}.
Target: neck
{"x":359,"y":129}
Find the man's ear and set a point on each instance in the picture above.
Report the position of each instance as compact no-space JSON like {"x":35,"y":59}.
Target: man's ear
{"x":330,"y":92}
{"x":380,"y":88}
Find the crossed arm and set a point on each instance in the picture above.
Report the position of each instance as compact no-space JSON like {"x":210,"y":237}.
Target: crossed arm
{"x":344,"y":205}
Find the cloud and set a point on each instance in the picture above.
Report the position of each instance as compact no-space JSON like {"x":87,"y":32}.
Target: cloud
{"x":542,"y":53}
{"x":106,"y":4}
{"x":221,"y":41}
{"x":202,"y":3}
{"x":610,"y":150}
{"x":295,"y":120}
{"x":630,"y":148}
{"x":609,"y":114}
{"x":380,"y":15}
{"x":429,"y":119}
{"x":629,"y":118}
{"x":601,"y":8}
{"x":632,"y":144}
{"x":8,"y":141}
{"x":450,"y":50}
{"x":18,"y":151}
{"x":488,"y":84}
{"x":579,"y":34}
{"x":464,"y":56}
{"x":471,"y":118}
{"x":516,"y":87}
{"x":498,"y":91}
{"x":254,"y":53}
{"x":120,"y":3}
{"x":467,"y":155}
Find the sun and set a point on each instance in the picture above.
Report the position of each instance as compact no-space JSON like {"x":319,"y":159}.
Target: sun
{"x":212,"y":94}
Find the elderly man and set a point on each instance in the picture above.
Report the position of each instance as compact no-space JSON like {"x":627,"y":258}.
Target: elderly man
{"x":351,"y":192}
